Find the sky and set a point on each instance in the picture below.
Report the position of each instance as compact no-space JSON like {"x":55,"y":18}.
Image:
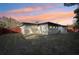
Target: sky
{"x":41,"y":12}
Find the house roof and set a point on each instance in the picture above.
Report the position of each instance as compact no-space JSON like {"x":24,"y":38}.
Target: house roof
{"x":37,"y":23}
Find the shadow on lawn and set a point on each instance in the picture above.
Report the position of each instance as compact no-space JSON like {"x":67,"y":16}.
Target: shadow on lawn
{"x":57,"y":44}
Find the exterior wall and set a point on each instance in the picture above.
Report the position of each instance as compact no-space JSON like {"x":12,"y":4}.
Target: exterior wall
{"x":62,"y":29}
{"x":43,"y":29}
{"x":22,"y":29}
{"x":53,"y":29}
{"x":26,"y":30}
{"x":34,"y":29}
{"x":56,"y":29}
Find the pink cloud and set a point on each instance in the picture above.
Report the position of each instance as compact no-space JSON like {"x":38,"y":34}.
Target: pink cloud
{"x":51,"y":15}
{"x":59,"y":17}
{"x":24,"y":10}
{"x":30,"y":9}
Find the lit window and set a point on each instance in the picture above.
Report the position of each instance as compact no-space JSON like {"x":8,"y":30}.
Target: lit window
{"x":53,"y":26}
{"x":50,"y":27}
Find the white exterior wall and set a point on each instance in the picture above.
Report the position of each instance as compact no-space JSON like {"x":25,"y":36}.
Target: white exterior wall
{"x":40,"y":29}
{"x":35,"y":29}
{"x":44,"y":29}
{"x":22,"y":30}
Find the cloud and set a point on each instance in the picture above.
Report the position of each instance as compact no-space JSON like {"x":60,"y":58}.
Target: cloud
{"x":24,"y":10}
{"x":51,"y":15}
{"x":59,"y":17}
{"x":30,"y":9}
{"x":4,"y":14}
{"x":55,"y":15}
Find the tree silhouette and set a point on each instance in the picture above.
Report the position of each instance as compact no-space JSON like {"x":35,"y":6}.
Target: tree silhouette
{"x":76,"y":11}
{"x":77,"y":17}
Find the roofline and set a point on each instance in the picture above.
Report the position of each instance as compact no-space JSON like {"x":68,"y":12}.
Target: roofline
{"x":43,"y":23}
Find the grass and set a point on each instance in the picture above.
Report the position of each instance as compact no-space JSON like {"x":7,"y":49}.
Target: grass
{"x":57,"y":44}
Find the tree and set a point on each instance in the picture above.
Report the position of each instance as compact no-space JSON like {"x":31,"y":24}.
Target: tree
{"x":6,"y":22}
{"x":2,"y":24}
{"x":77,"y":17}
{"x":76,"y":11}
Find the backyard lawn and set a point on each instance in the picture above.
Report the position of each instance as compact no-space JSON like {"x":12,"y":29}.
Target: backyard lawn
{"x":56,"y":44}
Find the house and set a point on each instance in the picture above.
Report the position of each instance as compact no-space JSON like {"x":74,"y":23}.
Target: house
{"x":42,"y":28}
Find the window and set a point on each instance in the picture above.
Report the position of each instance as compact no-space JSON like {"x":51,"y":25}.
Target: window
{"x":54,"y":27}
{"x":50,"y":27}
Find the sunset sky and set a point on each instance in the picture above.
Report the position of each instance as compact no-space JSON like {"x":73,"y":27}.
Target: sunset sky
{"x":42,"y":12}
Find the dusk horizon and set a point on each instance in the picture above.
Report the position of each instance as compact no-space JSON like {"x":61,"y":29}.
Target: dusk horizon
{"x":42,"y":12}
